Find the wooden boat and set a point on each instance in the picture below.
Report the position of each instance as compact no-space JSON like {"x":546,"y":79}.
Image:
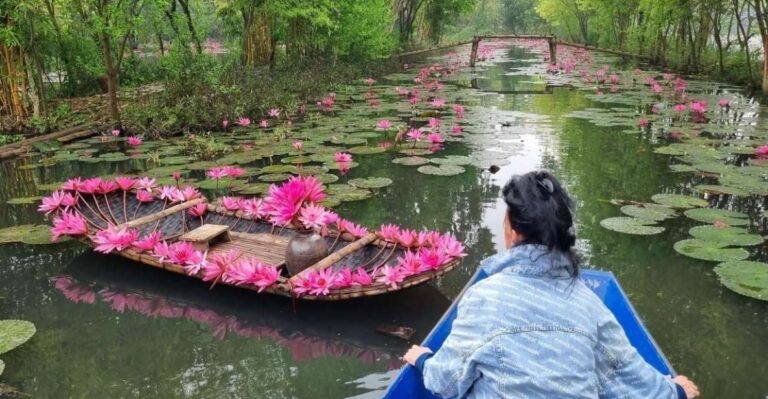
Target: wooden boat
{"x":409,"y":384}
{"x":220,"y":230}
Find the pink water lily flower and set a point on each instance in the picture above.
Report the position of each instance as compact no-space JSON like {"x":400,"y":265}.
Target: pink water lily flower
{"x":414,"y":135}
{"x":254,"y":208}
{"x":114,"y":239}
{"x":231,"y":204}
{"x":274,"y":112}
{"x":68,"y":223}
{"x":342,"y":157}
{"x":458,"y":108}
{"x":145,"y":183}
{"x":456,"y":130}
{"x":224,"y":124}
{"x":362,"y":278}
{"x":370,"y":81}
{"x":198,"y":210}
{"x":147,"y":243}
{"x":298,"y":145}
{"x":438,"y":103}
{"x":433,"y":258}
{"x":384,"y":124}
{"x":407,"y":238}
{"x":699,"y":107}
{"x":115,"y":132}
{"x":106,"y":187}
{"x":391,"y":276}
{"x":72,"y":184}
{"x":56,"y":200}
{"x":244,"y":122}
{"x":285,"y":201}
{"x":251,"y":272}
{"x":125,"y":183}
{"x":181,"y":253}
{"x":410,"y":263}
{"x":680,"y":108}
{"x":135,"y":141}
{"x":321,"y":282}
{"x":219,"y":263}
{"x":144,"y":196}
{"x":170,"y":194}
{"x":313,"y":216}
{"x":189,"y":193}
{"x":643,"y":123}
{"x":264,"y":124}
{"x":433,"y":122}
{"x":762,"y":150}
{"x":301,"y":286}
{"x":216,"y":173}
{"x":724,"y":103}
{"x":435,"y":138}
{"x":614,"y":79}
{"x":233,"y":171}
{"x":389,"y":232}
{"x":344,"y":278}
{"x":451,"y":246}
{"x":414,"y":100}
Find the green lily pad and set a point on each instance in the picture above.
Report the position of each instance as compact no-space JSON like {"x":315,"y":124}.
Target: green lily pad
{"x":411,"y":161}
{"x":716,"y":189}
{"x":669,"y":150}
{"x":709,"y":250}
{"x":253,"y":188}
{"x":210,"y":184}
{"x":330,"y":202}
{"x":710,"y":215}
{"x":679,"y":201}
{"x":274,"y":177}
{"x":14,"y":333}
{"x":179,"y":160}
{"x":442,"y":170}
{"x":416,"y":151}
{"x":745,"y":277}
{"x":731,"y":236}
{"x":629,"y":225}
{"x":298,"y":159}
{"x":370,"y":182}
{"x":279,"y":169}
{"x":460,"y":160}
{"x":364,"y":150}
{"x":23,"y":200}
{"x":337,"y":166}
{"x":327,"y":178}
{"x":653,"y":212}
{"x":33,"y":234}
{"x":311,"y":170}
{"x":357,"y":194}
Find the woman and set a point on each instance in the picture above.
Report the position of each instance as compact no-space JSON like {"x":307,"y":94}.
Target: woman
{"x":532,"y":329}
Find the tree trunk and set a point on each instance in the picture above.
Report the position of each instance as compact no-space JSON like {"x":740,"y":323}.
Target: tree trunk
{"x":185,"y":8}
{"x":106,"y":49}
{"x":257,"y":46}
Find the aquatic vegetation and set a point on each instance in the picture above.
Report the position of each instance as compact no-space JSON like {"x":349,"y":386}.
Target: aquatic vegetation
{"x":370,"y":182}
{"x":747,"y":278}
{"x":709,"y":250}
{"x":14,"y":333}
{"x":631,"y":225}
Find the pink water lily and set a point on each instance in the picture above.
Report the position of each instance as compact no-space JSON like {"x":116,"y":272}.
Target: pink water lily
{"x":724,"y":103}
{"x":251,"y":272}
{"x":216,"y":173}
{"x":321,"y":281}
{"x":389,"y":232}
{"x":264,"y":124}
{"x":614,"y":79}
{"x":114,"y":239}
{"x":218,"y":263}
{"x":433,"y":258}
{"x":344,"y":278}
{"x":342,"y":157}
{"x":145,"y":183}
{"x":313,"y":216}
{"x":144,"y":196}
{"x":699,"y":107}
{"x":414,"y":135}
{"x":68,"y":223}
{"x":391,"y":276}
{"x":233,"y":171}
{"x":345,"y":226}
{"x":410,"y":263}
{"x":198,"y":210}
{"x":435,"y":138}
{"x":407,"y":238}
{"x":135,"y":141}
{"x":73,"y":184}
{"x":384,"y":124}
{"x":643,"y":123}
{"x":254,"y":208}
{"x":189,"y":193}
{"x":125,"y":183}
{"x":56,"y":200}
{"x":438,"y":103}
{"x":458,"y":108}
{"x":231,"y":204}
{"x":115,"y":132}
{"x":106,"y":187}
{"x":170,"y":194}
{"x":298,"y":145}
{"x":244,"y":122}
{"x":147,"y":243}
{"x":762,"y":150}
{"x":680,"y":108}
{"x":274,"y":112}
{"x":433,"y":122}
{"x":370,"y":81}
{"x":456,"y":130}
{"x":451,"y":246}
{"x":181,"y":253}
{"x":285,"y":201}
{"x":414,"y":100}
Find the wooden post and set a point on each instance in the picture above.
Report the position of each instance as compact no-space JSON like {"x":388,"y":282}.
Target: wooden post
{"x":473,"y":55}
{"x":552,"y":50}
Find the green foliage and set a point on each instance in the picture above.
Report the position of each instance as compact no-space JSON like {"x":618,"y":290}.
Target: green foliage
{"x":204,"y":146}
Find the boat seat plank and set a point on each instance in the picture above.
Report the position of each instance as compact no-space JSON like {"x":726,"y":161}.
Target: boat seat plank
{"x":266,"y":248}
{"x":203,"y":236}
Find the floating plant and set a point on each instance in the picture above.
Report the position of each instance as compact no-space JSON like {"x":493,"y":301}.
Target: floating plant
{"x":442,"y":170}
{"x":679,"y":201}
{"x":411,"y":161}
{"x":710,"y":215}
{"x":370,"y":182}
{"x":652,"y":212}
{"x":747,"y":278}
{"x":730,"y":236}
{"x":631,"y":225}
{"x":34,"y":234}
{"x":709,"y":250}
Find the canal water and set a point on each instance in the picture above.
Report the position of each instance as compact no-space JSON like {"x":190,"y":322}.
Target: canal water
{"x":107,"y":327}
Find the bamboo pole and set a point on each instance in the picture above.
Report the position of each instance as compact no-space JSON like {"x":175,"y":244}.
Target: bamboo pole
{"x":159,"y":215}
{"x":337,"y":256}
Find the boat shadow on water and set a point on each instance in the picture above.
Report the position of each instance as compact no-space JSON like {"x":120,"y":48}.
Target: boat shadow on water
{"x":308,"y":329}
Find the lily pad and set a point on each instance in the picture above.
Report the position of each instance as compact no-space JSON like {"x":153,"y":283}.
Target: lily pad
{"x":353,"y":195}
{"x":629,"y":225}
{"x":745,"y":277}
{"x":709,"y":251}
{"x":460,"y":160}
{"x":370,"y":182}
{"x":23,"y":200}
{"x":279,"y":169}
{"x":653,"y":212}
{"x":274,"y":177}
{"x":364,"y":150}
{"x":14,"y":333}
{"x":709,"y":215}
{"x":34,"y":234}
{"x":442,"y":170}
{"x":253,"y":188}
{"x":715,"y":189}
{"x":411,"y":161}
{"x":731,"y":236}
{"x":298,"y":159}
{"x":679,"y":201}
{"x":330,"y":202}
{"x":327,"y":178}
{"x":416,"y":151}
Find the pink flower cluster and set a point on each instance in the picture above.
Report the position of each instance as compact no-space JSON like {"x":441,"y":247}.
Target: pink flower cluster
{"x":221,"y":172}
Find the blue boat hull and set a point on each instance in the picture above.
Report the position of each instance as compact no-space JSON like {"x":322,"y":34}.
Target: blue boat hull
{"x":408,"y":383}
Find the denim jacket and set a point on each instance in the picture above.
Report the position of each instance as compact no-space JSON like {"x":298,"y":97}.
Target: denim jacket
{"x":531,"y":331}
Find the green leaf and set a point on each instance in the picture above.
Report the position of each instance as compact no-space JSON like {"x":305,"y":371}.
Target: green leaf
{"x":370,"y":182}
{"x":710,"y":251}
{"x":730,"y":236}
{"x":679,"y":201}
{"x":653,"y":212}
{"x":442,"y":170}
{"x":14,"y":333}
{"x":628,"y":225}
{"x":35,"y":234}
{"x":2,"y":366}
{"x":710,"y":215}
{"x":411,"y":161}
{"x":745,"y":277}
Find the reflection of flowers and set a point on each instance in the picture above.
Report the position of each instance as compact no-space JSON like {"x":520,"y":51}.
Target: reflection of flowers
{"x":301,"y":346}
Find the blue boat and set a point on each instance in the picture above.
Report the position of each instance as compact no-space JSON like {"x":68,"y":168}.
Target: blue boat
{"x":408,"y":383}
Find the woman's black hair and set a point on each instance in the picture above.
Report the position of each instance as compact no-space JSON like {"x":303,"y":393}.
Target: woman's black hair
{"x":542,"y":212}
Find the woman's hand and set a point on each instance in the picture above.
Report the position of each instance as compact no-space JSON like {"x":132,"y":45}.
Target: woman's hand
{"x":691,"y":390}
{"x":414,"y":353}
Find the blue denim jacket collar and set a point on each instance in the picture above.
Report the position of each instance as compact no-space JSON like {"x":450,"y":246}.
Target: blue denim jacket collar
{"x":529,"y":260}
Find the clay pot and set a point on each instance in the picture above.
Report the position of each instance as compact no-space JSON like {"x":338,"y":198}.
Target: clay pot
{"x":304,"y":250}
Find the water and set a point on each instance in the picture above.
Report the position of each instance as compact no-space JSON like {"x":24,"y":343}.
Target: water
{"x":108,"y":327}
